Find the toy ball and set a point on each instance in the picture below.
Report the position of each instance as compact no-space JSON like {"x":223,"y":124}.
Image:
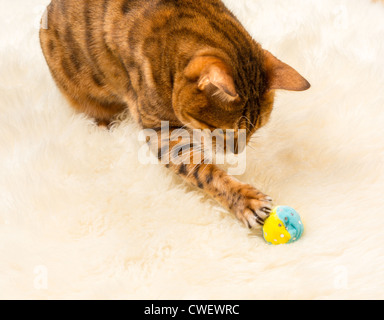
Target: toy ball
{"x":283,"y":226}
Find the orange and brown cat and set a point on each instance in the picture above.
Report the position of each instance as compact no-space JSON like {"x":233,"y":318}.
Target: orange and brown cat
{"x":190,"y":63}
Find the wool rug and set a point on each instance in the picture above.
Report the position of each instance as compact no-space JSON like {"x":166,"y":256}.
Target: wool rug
{"x":82,"y":218}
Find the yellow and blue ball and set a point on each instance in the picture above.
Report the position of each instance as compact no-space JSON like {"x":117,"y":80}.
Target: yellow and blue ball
{"x":283,"y":226}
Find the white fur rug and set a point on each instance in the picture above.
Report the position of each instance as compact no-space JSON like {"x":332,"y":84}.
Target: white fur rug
{"x":80,"y":217}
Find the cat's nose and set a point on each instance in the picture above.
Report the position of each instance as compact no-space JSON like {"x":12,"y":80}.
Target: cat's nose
{"x":234,"y":148}
{"x":237,"y":145}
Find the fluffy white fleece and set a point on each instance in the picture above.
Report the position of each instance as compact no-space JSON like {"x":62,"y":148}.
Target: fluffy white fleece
{"x":80,"y":217}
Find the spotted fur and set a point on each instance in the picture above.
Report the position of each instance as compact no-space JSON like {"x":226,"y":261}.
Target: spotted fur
{"x":189,"y":62}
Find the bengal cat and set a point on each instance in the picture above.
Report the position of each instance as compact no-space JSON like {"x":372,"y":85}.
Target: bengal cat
{"x":188,"y":62}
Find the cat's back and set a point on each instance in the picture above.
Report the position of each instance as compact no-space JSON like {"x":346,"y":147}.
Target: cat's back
{"x":104,"y":54}
{"x":93,"y":26}
{"x":75,"y":43}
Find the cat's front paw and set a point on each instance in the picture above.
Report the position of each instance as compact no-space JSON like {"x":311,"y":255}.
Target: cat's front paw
{"x":252,"y":207}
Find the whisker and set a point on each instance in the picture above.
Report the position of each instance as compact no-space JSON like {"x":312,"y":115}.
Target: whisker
{"x":249,"y":121}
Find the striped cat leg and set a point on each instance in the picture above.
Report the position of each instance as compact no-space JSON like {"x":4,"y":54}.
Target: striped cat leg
{"x":248,"y":204}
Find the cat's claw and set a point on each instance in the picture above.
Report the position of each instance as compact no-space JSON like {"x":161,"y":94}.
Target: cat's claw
{"x":266,"y":210}
{"x":263,"y":211}
{"x":254,"y":207}
{"x":253,"y":218}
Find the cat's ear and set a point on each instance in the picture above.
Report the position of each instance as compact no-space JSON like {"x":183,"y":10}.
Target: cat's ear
{"x":282,"y":76}
{"x":213,"y":76}
{"x":218,"y":81}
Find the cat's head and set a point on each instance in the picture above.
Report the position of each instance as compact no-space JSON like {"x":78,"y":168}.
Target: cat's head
{"x":214,"y":92}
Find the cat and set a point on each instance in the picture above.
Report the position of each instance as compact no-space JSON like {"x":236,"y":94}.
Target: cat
{"x":188,"y":62}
